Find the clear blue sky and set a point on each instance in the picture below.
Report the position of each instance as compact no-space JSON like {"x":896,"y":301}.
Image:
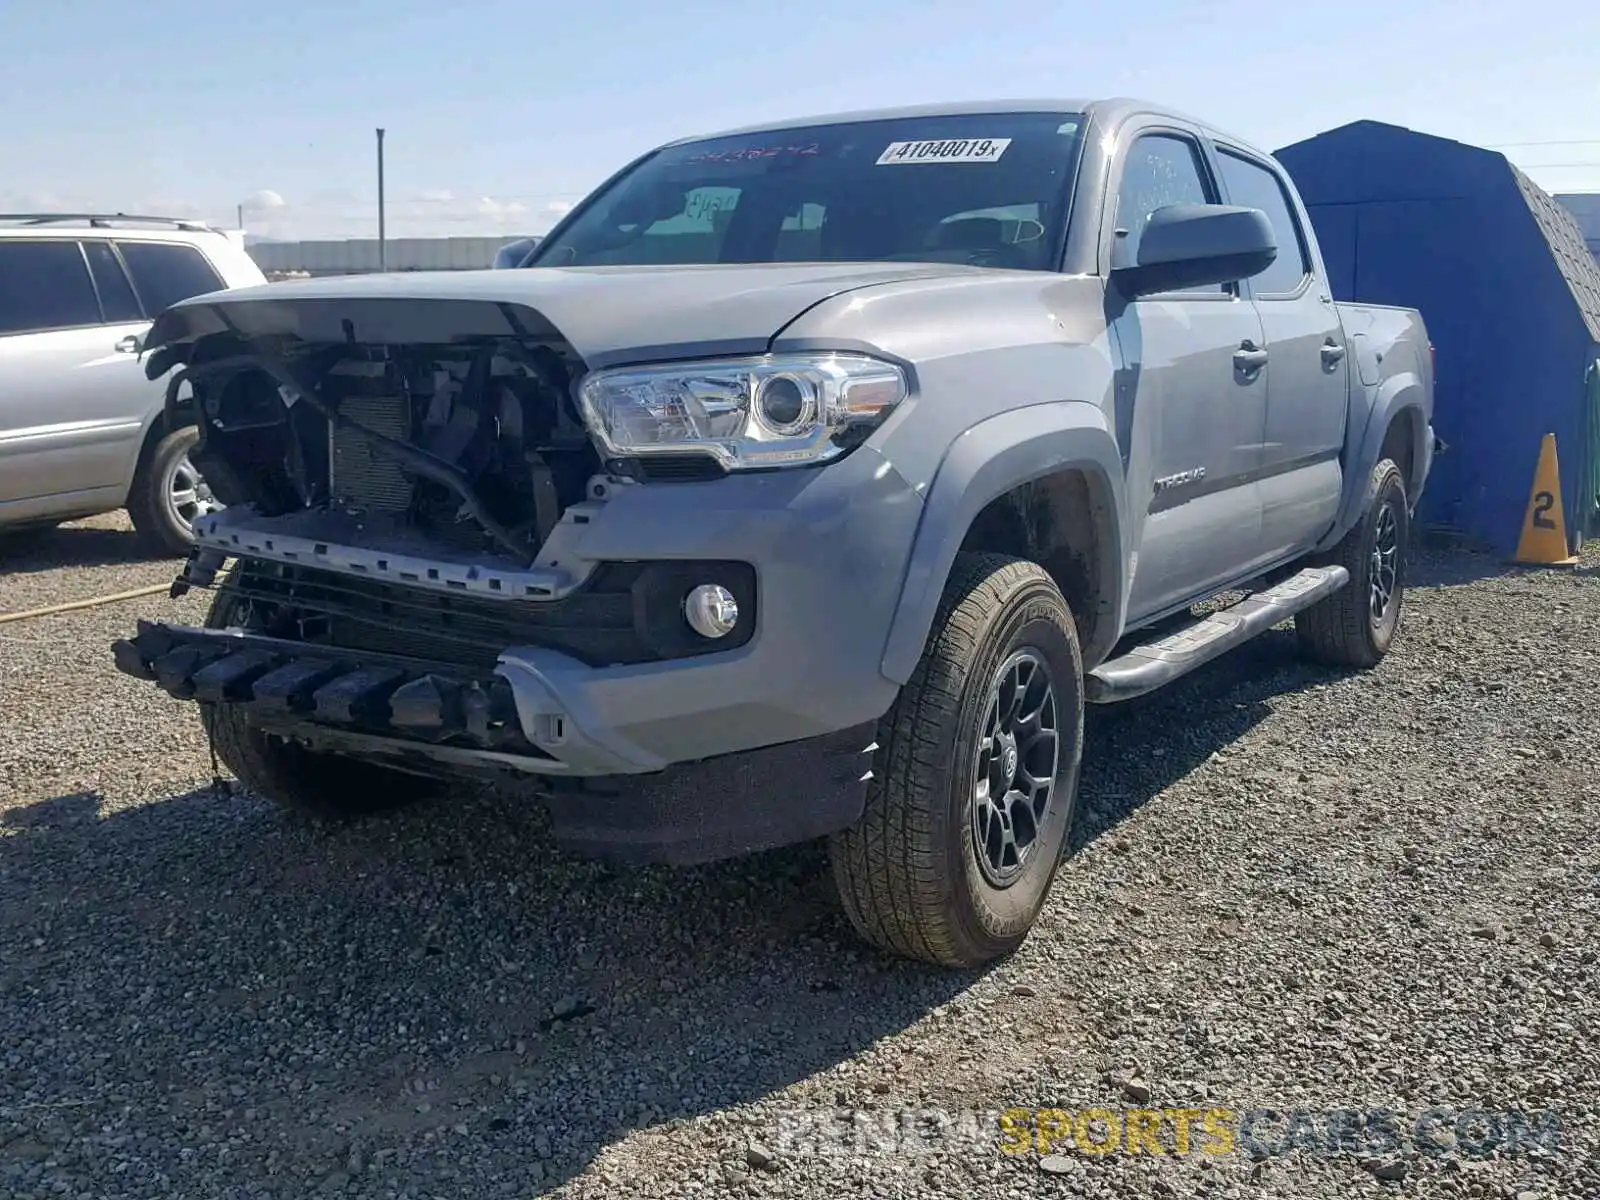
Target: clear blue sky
{"x":497,"y":111}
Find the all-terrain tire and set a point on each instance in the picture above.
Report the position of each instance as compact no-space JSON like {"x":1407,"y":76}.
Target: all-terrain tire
{"x":1347,"y":629}
{"x":149,"y":505}
{"x":913,"y":874}
{"x":305,"y":781}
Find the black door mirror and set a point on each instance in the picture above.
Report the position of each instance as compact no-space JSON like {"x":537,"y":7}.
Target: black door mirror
{"x":1187,"y":245}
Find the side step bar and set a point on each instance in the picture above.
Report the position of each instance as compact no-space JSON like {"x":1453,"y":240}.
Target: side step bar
{"x":1156,"y":663}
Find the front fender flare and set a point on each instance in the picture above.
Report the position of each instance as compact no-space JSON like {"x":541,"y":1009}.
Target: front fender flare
{"x":985,"y":462}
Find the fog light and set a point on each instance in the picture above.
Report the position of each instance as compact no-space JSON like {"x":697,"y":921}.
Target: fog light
{"x":711,"y":610}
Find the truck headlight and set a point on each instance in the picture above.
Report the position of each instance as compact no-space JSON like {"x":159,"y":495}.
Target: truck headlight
{"x":771,"y":411}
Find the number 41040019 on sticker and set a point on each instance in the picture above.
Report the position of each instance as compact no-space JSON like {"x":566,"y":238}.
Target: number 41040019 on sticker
{"x":945,"y":150}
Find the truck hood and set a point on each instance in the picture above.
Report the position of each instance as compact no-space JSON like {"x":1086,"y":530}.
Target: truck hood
{"x":609,"y":315}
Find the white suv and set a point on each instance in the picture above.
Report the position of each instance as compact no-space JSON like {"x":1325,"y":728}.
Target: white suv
{"x":82,"y":431}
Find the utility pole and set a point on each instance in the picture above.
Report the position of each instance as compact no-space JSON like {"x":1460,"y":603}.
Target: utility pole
{"x":240,"y":210}
{"x":382,"y":253}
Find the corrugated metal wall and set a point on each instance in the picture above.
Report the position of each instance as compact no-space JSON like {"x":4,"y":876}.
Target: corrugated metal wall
{"x":1593,"y":380}
{"x":1585,"y":207}
{"x":1409,"y":219}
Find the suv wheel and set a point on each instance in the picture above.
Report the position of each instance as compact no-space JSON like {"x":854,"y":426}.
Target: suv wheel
{"x":1356,"y":625}
{"x":169,"y":495}
{"x":302,"y":780}
{"x":975,"y":780}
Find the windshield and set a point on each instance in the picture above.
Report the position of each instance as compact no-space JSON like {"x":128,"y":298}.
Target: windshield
{"x":986,"y":190}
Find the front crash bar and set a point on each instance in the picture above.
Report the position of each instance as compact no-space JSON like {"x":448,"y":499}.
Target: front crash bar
{"x":357,"y":691}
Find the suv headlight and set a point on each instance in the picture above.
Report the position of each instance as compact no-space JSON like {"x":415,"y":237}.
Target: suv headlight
{"x":771,"y":411}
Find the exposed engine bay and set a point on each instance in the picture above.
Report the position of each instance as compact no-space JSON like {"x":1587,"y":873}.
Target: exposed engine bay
{"x":474,"y":447}
{"x":399,"y":513}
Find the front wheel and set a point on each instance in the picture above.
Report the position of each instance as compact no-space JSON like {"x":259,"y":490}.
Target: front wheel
{"x":1356,"y":625}
{"x":975,"y":779}
{"x":169,"y":494}
{"x":304,"y":781}
{"x":301,"y":780}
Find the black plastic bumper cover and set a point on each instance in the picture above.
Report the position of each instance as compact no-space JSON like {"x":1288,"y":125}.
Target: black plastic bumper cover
{"x":719,"y":807}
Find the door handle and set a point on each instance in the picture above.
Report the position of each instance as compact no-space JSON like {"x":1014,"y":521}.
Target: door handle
{"x":1332,"y":353}
{"x":1249,"y":357}
{"x":128,"y":345}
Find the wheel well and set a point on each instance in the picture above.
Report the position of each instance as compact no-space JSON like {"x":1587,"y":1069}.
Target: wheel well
{"x":1053,"y":521}
{"x":159,"y":428}
{"x":1400,"y":444}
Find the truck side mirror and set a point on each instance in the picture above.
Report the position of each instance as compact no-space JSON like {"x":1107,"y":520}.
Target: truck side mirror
{"x":1187,"y":245}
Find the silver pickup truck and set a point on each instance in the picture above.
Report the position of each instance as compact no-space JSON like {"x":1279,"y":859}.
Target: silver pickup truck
{"x":807,"y":481}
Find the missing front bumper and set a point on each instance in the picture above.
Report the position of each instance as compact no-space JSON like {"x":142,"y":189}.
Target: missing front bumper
{"x":437,"y":720}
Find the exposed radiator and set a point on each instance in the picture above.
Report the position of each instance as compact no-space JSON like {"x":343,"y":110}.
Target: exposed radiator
{"x":365,"y":481}
{"x":594,"y":625}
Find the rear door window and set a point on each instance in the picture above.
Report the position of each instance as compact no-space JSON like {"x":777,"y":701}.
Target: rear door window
{"x":45,"y":285}
{"x":1253,"y":186}
{"x":117,"y":300}
{"x":165,"y":273}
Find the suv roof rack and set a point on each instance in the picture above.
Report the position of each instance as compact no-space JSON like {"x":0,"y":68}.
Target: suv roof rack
{"x":104,"y":220}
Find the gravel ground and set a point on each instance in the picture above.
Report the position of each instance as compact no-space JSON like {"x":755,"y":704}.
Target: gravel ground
{"x":77,"y":561}
{"x":1294,"y":890}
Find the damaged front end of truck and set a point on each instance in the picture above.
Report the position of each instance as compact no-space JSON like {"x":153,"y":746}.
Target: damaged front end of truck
{"x":405,"y":482}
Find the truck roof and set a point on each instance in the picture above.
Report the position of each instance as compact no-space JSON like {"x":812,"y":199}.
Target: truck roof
{"x":1108,"y":110}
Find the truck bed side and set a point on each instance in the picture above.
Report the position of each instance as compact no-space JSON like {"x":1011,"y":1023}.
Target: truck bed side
{"x":1391,"y":402}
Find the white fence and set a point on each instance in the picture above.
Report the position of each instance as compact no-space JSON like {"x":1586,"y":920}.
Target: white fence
{"x":357,"y":256}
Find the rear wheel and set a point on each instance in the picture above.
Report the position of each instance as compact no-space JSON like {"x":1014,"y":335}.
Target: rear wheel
{"x":975,"y":779}
{"x":169,"y":494}
{"x":300,"y":779}
{"x":1356,"y":625}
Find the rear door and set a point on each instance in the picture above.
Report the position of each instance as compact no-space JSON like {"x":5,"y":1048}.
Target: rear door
{"x":1191,"y":404}
{"x":1307,"y":362}
{"x":71,"y":388}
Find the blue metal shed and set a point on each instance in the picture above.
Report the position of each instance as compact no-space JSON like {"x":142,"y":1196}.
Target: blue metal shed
{"x":1510,"y":294}
{"x":1585,"y":209}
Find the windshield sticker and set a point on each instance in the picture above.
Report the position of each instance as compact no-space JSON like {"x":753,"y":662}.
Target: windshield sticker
{"x":703,"y":204}
{"x":945,"y":150}
{"x":748,"y":153}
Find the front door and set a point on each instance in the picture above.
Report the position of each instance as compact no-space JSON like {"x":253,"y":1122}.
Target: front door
{"x":1191,"y":403}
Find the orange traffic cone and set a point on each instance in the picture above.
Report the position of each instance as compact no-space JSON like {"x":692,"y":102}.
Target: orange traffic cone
{"x":1544,"y":540}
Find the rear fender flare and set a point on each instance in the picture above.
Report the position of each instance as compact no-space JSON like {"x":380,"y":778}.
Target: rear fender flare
{"x":986,"y":461}
{"x":1402,"y":396}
